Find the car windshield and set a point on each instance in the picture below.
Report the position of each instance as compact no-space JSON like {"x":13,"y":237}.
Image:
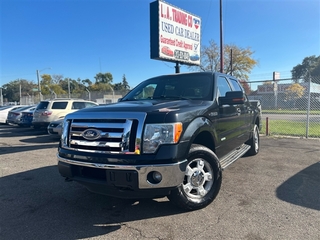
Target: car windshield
{"x":171,"y":87}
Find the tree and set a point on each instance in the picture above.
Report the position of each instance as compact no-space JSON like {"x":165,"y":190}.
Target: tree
{"x":87,"y":82}
{"x":294,"y":91}
{"x":104,"y":78}
{"x":11,"y":90}
{"x":56,"y":78}
{"x":242,"y":60}
{"x":125,"y":84}
{"x":310,"y":66}
{"x":122,"y":86}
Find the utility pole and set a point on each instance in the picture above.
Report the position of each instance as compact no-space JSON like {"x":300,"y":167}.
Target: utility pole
{"x":19,"y":91}
{"x":39,"y":87}
{"x":1,"y":97}
{"x":221,"y":39}
{"x":69,"y":88}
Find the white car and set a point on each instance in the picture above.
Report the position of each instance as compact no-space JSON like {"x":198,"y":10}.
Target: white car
{"x":54,"y":109}
{"x":5,"y":110}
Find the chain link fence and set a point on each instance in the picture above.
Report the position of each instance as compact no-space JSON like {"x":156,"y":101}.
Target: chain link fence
{"x":289,"y":107}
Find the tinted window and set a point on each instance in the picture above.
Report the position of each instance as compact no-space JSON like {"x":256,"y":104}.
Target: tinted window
{"x":59,"y":105}
{"x":190,"y":86}
{"x":223,"y":86}
{"x":235,"y":84}
{"x":78,"y":105}
{"x":43,"y":105}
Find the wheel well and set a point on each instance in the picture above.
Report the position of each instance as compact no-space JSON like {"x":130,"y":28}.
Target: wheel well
{"x":205,"y":139}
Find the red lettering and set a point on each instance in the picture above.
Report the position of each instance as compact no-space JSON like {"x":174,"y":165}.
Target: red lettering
{"x":179,"y":17}
{"x":190,"y":21}
{"x":161,"y":10}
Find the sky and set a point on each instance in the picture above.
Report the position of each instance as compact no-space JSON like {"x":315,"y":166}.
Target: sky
{"x":80,"y":38}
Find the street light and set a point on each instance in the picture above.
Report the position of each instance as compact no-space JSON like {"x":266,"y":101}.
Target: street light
{"x":39,"y":86}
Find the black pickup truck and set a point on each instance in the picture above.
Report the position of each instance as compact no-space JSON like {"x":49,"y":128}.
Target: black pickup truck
{"x":171,"y":136}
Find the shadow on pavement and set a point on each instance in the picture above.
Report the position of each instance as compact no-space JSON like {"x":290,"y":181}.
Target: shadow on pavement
{"x":39,"y":204}
{"x":7,"y":131}
{"x":302,"y":189}
{"x":16,"y":149}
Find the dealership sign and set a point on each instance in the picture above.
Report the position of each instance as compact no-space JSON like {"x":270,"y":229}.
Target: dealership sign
{"x":174,"y":34}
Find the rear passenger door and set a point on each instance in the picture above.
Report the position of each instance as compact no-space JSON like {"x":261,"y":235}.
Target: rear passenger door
{"x":243,"y":112}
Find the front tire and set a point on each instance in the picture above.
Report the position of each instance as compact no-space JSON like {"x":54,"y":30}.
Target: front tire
{"x":202,"y":180}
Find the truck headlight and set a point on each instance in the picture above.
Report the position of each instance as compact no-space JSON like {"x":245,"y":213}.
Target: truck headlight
{"x":64,"y":133}
{"x":156,"y":134}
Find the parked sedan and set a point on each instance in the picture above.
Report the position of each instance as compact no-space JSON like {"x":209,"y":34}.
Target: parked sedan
{"x":15,"y":115}
{"x":26,"y":118}
{"x":5,"y":110}
{"x":55,"y":127}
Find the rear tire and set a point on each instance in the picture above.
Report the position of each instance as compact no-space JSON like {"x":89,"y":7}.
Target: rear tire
{"x":202,"y":180}
{"x":254,"y":142}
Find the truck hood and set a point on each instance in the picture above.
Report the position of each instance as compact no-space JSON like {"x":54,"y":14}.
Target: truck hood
{"x":150,"y":106}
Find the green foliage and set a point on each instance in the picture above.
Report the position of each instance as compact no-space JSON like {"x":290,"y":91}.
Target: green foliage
{"x":104,"y":78}
{"x":11,"y":91}
{"x":51,"y":84}
{"x":310,"y":66}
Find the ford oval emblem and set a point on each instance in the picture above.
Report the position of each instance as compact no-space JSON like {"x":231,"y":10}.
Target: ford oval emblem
{"x":91,"y":134}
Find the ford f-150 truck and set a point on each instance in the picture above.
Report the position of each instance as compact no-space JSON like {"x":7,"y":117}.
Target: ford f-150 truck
{"x":171,"y":136}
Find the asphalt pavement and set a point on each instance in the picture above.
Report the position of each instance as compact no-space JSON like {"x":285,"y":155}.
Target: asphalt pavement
{"x":274,"y":195}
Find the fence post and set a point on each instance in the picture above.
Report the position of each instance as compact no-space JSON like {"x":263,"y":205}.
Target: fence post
{"x":308,"y":107}
{"x":267,"y":126}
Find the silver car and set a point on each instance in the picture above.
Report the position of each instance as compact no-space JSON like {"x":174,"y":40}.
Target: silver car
{"x":55,"y":127}
{"x":15,"y":115}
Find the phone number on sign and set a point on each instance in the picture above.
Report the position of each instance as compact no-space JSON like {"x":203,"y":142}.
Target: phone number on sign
{"x":181,"y":55}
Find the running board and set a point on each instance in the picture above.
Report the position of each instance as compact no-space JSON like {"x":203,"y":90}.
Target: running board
{"x":233,"y":156}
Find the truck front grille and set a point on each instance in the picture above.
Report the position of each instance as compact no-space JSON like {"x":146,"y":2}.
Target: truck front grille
{"x":103,"y":135}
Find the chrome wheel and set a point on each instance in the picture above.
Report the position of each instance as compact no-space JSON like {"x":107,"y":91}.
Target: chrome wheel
{"x":198,"y":179}
{"x":202,"y":180}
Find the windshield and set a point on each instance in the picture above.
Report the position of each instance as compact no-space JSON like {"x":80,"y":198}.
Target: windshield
{"x":184,"y":86}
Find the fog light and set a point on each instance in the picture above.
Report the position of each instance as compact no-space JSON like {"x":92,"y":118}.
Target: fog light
{"x":157,"y":176}
{"x":154,"y":177}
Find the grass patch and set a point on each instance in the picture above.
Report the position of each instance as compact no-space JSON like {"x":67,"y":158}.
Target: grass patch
{"x":285,"y":111}
{"x":291,"y":128}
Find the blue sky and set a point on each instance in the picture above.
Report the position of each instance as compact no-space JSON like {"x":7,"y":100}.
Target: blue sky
{"x":80,"y":38}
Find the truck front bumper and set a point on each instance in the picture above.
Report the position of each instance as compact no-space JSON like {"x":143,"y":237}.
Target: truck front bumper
{"x":108,"y":178}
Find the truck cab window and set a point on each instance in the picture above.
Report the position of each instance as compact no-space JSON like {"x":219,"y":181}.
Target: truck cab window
{"x":236,"y":85}
{"x":223,"y":86}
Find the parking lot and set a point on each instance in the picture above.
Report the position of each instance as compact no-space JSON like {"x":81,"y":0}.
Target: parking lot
{"x":274,"y":195}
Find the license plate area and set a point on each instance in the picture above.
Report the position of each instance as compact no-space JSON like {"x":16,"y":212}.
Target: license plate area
{"x":122,"y":178}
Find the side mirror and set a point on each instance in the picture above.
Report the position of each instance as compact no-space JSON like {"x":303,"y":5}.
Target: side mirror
{"x":119,"y":99}
{"x":232,"y":98}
